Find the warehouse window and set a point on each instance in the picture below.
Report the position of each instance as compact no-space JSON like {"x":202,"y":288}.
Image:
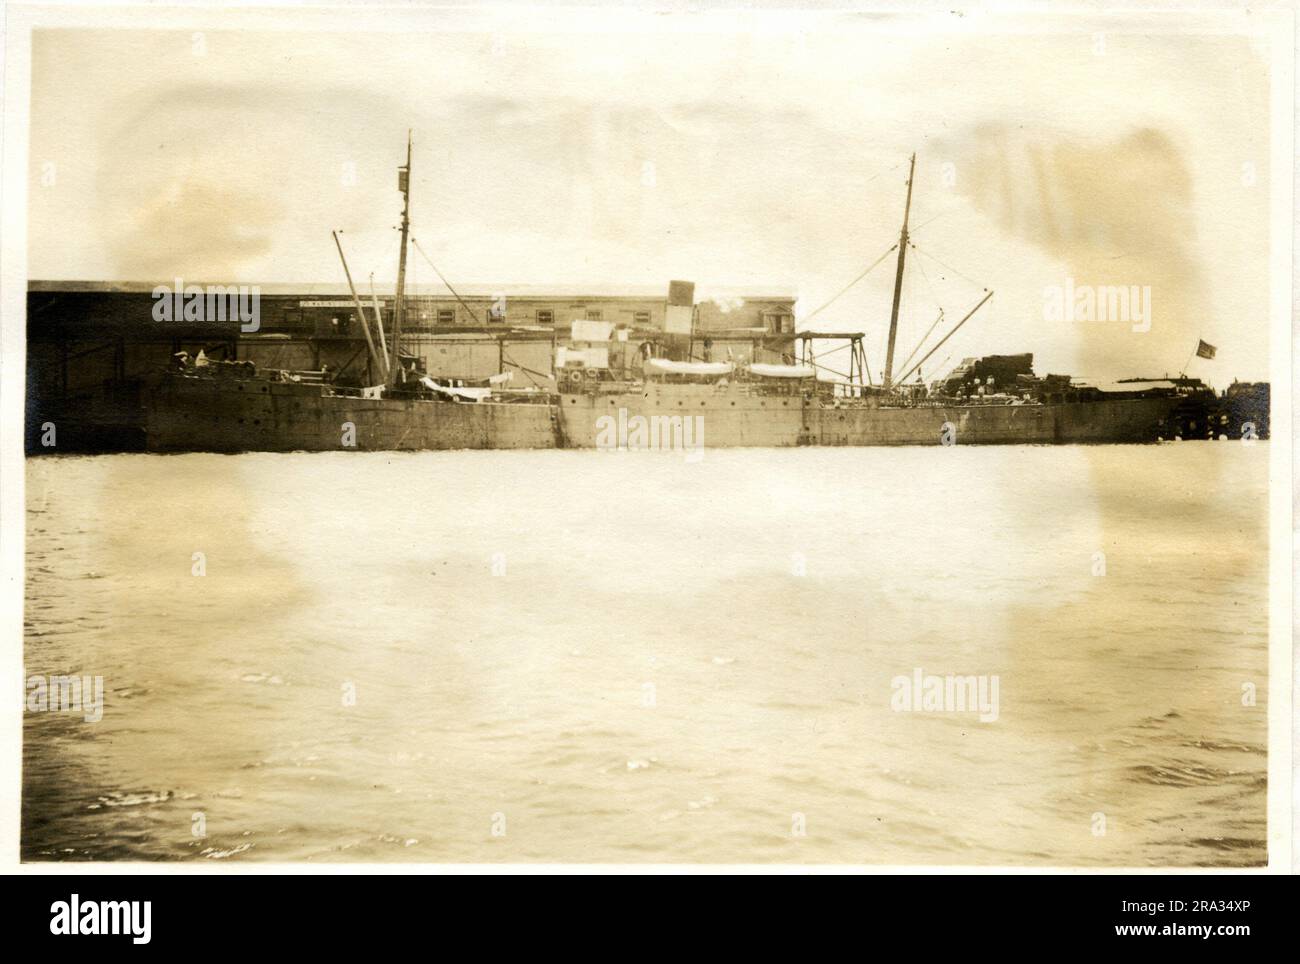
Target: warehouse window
{"x":641,"y":317}
{"x":594,"y":314}
{"x":446,"y":316}
{"x":545,"y":316}
{"x":778,"y":322}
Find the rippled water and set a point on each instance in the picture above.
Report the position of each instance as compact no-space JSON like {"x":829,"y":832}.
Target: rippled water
{"x":597,"y":656}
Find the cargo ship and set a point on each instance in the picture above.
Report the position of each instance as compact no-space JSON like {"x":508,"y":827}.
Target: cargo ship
{"x":636,"y":389}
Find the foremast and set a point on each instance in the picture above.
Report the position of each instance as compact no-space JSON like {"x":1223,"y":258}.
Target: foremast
{"x":395,"y":373}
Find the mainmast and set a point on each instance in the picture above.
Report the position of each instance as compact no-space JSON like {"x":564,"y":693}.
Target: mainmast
{"x":898,"y":281}
{"x":399,"y":303}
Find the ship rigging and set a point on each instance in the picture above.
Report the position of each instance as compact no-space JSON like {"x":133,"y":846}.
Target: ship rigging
{"x":858,"y":368}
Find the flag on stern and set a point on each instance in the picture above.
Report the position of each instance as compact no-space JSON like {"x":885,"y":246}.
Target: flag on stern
{"x":1204,"y":349}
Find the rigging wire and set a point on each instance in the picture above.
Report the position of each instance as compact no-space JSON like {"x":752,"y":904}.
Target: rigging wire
{"x":504,"y":357}
{"x":929,"y":285}
{"x":888,"y":170}
{"x":921,"y":343}
{"x":929,"y":221}
{"x":890,"y":250}
{"x":416,"y":244}
{"x":956,"y":328}
{"x":842,"y":291}
{"x":925,"y":275}
{"x":941,"y":368}
{"x":948,"y":266}
{"x":935,"y":295}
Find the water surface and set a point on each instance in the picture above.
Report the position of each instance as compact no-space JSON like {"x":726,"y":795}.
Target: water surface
{"x":602,"y":656}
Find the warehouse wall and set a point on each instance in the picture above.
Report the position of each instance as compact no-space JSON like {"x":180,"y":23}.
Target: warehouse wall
{"x":112,"y":333}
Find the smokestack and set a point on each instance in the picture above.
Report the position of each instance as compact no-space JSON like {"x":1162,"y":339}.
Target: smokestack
{"x":681,"y":308}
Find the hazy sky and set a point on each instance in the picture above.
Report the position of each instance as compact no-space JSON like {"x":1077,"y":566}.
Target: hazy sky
{"x":759,"y":152}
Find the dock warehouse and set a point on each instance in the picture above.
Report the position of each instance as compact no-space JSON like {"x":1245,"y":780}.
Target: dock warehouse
{"x":90,"y":344}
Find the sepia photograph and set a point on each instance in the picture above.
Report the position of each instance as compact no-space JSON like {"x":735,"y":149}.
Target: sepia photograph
{"x":630,"y":437}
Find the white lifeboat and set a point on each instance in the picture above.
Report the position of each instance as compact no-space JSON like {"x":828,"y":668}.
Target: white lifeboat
{"x":763,"y":370}
{"x":664,"y":366}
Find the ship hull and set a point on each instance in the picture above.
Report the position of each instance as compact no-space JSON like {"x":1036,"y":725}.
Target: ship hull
{"x":186,"y":413}
{"x":773,"y":421}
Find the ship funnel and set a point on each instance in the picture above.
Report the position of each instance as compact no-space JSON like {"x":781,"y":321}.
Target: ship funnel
{"x":681,"y":307}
